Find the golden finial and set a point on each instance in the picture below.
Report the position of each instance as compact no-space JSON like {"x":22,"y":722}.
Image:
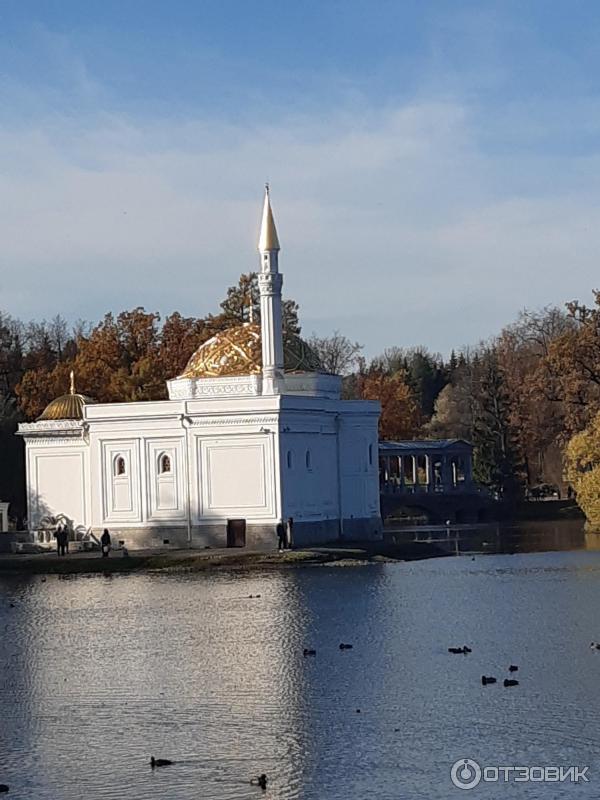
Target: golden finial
{"x":268,"y":239}
{"x":72,"y":376}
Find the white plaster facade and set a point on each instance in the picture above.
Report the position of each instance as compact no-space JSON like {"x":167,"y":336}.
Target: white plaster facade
{"x":259,"y":447}
{"x":261,"y":458}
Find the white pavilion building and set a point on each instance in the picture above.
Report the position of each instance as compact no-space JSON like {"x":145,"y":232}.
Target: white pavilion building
{"x":252,"y":433}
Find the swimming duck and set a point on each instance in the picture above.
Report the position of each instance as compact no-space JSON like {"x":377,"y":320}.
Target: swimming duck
{"x":485,"y":680}
{"x":513,"y":668}
{"x":309,"y":652}
{"x":345,"y":646}
{"x":595,"y":646}
{"x":3,"y":788}
{"x":509,"y":682}
{"x":260,"y":781}
{"x":160,"y":762}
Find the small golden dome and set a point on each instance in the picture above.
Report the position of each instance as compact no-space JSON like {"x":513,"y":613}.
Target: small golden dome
{"x":67,"y":406}
{"x":238,"y":351}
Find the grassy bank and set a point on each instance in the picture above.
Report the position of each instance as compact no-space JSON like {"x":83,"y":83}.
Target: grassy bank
{"x":186,"y":561}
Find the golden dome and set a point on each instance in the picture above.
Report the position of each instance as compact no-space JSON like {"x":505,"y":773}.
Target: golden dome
{"x":67,"y":406}
{"x":238,"y":351}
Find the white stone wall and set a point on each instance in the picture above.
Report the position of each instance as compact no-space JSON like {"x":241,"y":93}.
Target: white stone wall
{"x":309,"y":470}
{"x":359,"y":467}
{"x":57,"y":481}
{"x":258,"y":458}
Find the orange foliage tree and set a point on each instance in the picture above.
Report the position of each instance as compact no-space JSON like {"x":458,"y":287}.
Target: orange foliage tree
{"x":400,"y":415}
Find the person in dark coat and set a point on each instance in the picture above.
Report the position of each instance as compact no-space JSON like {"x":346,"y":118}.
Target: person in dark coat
{"x":64,"y":540}
{"x":105,"y":543}
{"x":62,"y":537}
{"x":280,"y":535}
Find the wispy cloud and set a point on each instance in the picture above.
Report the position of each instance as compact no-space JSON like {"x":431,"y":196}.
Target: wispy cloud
{"x":401,"y":223}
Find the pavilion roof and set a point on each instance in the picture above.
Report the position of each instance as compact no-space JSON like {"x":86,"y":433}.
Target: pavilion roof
{"x":410,"y":445}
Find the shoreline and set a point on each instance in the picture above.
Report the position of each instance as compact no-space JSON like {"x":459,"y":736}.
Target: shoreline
{"x":189,"y":561}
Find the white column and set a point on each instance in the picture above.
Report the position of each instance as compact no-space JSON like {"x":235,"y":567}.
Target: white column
{"x":271,"y":317}
{"x":271,"y":324}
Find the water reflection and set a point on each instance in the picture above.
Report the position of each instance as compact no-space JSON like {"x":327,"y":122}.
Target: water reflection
{"x":97,"y":674}
{"x":114,"y":670}
{"x":519,"y":537}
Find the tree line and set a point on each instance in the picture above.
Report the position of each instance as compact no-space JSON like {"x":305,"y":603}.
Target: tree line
{"x":528,"y":399}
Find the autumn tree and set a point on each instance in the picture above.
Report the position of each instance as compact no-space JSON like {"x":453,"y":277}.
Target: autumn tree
{"x":570,"y":374}
{"x":400,"y":417}
{"x":180,"y":337}
{"x":454,"y":410}
{"x":118,"y":361}
{"x":536,"y":420}
{"x":424,"y":371}
{"x":583,"y":469}
{"x":243,"y":302}
{"x":475,"y":406}
{"x":496,"y":462}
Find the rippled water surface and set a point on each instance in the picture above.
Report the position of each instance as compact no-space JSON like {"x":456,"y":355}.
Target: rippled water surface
{"x":98,"y":673}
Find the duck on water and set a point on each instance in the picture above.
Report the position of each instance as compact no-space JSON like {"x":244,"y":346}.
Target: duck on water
{"x":160,"y":762}
{"x":260,"y":781}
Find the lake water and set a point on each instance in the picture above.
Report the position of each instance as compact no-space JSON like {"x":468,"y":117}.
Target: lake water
{"x":98,"y":673}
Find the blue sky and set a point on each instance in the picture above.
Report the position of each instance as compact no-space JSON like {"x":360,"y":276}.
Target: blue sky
{"x":435,"y":166}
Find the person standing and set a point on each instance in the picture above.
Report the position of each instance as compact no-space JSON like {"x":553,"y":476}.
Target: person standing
{"x":61,"y":540}
{"x":105,"y":543}
{"x":280,"y":535}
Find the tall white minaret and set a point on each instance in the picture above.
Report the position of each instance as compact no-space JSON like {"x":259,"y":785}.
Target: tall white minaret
{"x":269,"y":283}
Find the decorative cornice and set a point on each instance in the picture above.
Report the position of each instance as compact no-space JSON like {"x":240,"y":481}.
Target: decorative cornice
{"x":202,"y":421}
{"x":53,"y":430}
{"x":234,"y":386}
{"x":56,"y":440}
{"x":270,"y":282}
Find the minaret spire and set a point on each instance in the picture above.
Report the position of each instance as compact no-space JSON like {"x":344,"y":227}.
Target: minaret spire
{"x":268,"y":239}
{"x":269,"y":283}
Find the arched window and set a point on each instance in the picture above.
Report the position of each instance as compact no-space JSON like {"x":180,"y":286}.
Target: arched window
{"x":165,"y":464}
{"x":120,"y":466}
{"x":289,"y":459}
{"x":308,"y":460}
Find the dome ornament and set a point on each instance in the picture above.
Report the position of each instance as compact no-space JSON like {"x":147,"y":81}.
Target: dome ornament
{"x":67,"y":406}
{"x":237,"y":351}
